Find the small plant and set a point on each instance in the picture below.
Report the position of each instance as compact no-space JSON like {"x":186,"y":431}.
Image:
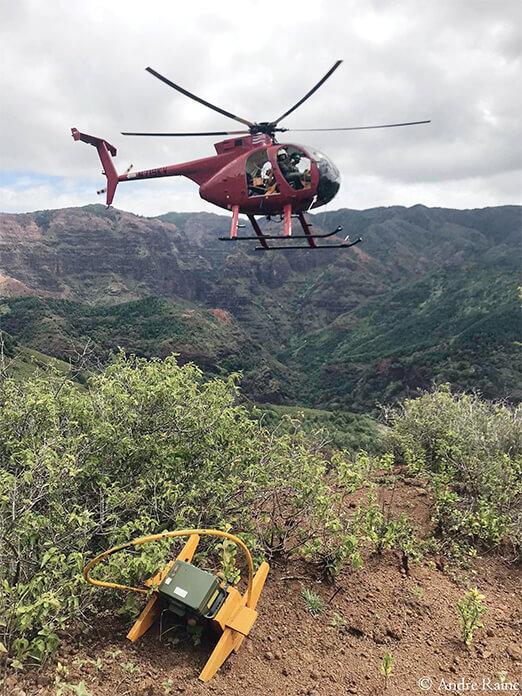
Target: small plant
{"x":78,"y":689}
{"x":386,"y":667}
{"x":376,"y":527}
{"x":64,"y":687}
{"x":129,"y":667}
{"x":60,"y":684}
{"x":63,"y":670}
{"x":313,"y":603}
{"x":416,"y":591}
{"x":228,"y":548}
{"x":332,"y":551}
{"x":98,"y":663}
{"x":168,"y":685}
{"x":338,"y":620}
{"x":470,"y":609}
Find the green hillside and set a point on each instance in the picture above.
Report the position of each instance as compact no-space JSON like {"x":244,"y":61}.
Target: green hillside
{"x":149,"y":327}
{"x":21,"y":362}
{"x":462,"y":328}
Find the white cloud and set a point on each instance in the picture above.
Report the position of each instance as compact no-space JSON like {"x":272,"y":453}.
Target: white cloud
{"x":70,"y":64}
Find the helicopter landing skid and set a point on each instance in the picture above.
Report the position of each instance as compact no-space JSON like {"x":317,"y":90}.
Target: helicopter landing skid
{"x":343,"y":245}
{"x":287,"y":236}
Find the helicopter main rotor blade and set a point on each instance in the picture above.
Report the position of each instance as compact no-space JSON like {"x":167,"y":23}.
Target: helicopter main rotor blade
{"x":386,"y":125}
{"x":309,"y":94}
{"x":198,"y":99}
{"x":186,"y":135}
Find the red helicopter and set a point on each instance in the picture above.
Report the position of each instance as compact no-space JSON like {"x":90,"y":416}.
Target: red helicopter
{"x":251,"y":173}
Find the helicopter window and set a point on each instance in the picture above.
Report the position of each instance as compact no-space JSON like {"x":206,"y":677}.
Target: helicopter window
{"x":260,"y":176}
{"x":295,"y":166}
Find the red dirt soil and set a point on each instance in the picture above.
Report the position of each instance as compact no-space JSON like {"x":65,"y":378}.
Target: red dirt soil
{"x":289,"y":652}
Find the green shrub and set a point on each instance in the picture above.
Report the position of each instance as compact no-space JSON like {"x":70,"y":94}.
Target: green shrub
{"x":332,"y":549}
{"x":472,"y":452}
{"x":339,"y":429}
{"x":377,"y":528}
{"x":148,"y":446}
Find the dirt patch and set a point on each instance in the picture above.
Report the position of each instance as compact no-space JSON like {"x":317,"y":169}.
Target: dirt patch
{"x":368,"y":613}
{"x":11,"y":287}
{"x":222,"y":315}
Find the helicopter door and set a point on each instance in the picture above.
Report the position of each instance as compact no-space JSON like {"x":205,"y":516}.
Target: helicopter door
{"x":260,"y":175}
{"x":295,"y":166}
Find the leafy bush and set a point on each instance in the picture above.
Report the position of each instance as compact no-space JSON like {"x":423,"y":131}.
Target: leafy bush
{"x":148,"y":446}
{"x":341,"y":537}
{"x":332,"y":547}
{"x":377,"y":528}
{"x":335,"y":538}
{"x":472,"y":452}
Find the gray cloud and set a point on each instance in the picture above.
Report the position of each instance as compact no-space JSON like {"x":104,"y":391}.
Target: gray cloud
{"x":457,"y":62}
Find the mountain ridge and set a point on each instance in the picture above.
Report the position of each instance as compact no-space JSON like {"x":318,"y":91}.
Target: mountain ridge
{"x":418,"y":269}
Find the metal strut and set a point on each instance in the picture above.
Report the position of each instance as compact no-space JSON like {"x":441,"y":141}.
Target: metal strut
{"x":287,"y":234}
{"x":278,"y":236}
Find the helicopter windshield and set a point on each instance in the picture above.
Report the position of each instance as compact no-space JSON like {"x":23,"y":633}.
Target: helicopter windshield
{"x":329,"y":178}
{"x":260,"y":176}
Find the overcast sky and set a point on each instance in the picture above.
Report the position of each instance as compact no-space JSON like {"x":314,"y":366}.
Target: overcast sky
{"x":456,"y":62}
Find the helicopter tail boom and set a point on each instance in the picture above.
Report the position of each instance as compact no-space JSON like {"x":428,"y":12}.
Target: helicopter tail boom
{"x":106,"y":151}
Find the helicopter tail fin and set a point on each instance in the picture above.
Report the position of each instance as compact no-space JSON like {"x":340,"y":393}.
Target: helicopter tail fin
{"x":105,"y":151}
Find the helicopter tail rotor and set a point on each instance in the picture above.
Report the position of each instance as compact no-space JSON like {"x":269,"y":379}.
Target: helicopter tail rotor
{"x":104,"y":190}
{"x":105,"y":151}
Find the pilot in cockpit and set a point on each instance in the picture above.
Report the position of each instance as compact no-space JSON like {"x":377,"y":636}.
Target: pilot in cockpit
{"x":288,"y":167}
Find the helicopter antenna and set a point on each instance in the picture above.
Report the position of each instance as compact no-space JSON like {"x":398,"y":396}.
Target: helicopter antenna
{"x":308,"y":94}
{"x":198,"y":99}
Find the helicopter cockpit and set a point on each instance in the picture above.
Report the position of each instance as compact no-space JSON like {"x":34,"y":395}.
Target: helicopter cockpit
{"x":294,"y":164}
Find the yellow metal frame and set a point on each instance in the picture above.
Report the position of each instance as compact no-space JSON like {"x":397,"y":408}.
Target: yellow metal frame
{"x":235,"y":618}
